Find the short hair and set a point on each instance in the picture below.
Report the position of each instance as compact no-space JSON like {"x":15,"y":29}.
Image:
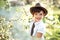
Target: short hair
{"x":38,"y":9}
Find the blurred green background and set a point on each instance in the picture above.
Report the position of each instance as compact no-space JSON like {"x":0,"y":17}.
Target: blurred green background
{"x":15,"y":18}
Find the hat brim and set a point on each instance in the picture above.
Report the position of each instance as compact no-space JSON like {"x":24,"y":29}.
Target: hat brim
{"x":38,"y":9}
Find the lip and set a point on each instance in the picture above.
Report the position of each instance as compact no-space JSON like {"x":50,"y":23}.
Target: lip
{"x":38,"y":18}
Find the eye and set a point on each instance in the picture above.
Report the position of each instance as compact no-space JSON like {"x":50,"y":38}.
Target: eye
{"x":35,"y":13}
{"x":40,"y":14}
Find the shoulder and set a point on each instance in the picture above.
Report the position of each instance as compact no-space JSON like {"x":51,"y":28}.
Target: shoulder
{"x":42,"y":24}
{"x":41,"y":28}
{"x":30,"y":23}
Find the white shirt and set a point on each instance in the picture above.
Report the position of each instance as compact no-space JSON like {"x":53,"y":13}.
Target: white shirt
{"x":39,"y":27}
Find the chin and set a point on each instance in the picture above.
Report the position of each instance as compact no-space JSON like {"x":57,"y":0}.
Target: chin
{"x":37,"y":20}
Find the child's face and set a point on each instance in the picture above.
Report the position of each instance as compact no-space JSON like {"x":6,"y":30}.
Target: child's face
{"x":38,"y":16}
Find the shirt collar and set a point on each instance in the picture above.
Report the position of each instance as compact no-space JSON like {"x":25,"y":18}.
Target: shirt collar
{"x":38,"y":22}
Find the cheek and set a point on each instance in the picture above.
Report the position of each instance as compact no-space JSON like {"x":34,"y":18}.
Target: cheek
{"x":40,"y":16}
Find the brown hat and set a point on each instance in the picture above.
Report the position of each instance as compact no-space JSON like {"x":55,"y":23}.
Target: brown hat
{"x":38,"y":8}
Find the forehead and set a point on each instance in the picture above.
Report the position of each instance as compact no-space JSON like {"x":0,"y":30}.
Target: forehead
{"x":41,"y":12}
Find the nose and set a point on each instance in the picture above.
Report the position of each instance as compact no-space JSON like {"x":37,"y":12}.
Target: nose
{"x":38,"y":16}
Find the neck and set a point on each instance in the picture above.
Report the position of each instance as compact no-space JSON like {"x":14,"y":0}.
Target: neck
{"x":37,"y":21}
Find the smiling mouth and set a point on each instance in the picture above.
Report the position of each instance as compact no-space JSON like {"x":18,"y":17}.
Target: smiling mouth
{"x":38,"y":18}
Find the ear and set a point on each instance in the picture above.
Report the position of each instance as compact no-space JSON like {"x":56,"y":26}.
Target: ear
{"x":44,"y":15}
{"x":33,"y":15}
